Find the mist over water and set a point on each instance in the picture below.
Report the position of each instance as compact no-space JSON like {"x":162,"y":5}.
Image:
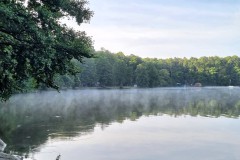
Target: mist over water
{"x":30,"y":123}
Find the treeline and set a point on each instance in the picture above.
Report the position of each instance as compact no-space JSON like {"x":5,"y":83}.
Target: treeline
{"x":107,"y":69}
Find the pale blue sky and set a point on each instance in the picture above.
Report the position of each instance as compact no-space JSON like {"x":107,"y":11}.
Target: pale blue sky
{"x":166,"y":28}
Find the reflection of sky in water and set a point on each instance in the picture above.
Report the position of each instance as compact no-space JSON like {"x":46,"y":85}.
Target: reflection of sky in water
{"x":189,"y":124}
{"x":150,"y":138}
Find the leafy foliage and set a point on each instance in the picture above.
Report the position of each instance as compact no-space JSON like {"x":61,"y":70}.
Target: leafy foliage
{"x":34,"y":44}
{"x":110,"y":70}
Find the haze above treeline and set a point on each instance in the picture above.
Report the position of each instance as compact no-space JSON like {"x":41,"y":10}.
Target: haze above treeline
{"x":108,"y":69}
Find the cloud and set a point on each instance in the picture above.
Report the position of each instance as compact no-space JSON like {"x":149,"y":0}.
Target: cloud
{"x":177,"y":28}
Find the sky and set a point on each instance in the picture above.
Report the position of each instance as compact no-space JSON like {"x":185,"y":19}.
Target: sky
{"x":165,"y":28}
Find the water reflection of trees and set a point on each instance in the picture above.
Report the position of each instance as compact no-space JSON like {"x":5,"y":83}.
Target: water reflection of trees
{"x":29,"y":120}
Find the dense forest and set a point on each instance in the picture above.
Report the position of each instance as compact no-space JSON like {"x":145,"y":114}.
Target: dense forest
{"x":107,"y":69}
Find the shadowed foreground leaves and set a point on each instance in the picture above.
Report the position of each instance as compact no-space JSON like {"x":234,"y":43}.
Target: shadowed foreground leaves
{"x":34,"y":44}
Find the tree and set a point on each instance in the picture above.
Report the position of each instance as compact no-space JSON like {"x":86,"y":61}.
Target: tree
{"x":34,"y":44}
{"x":153,"y":73}
{"x":104,"y":68}
{"x":142,"y":77}
{"x":133,"y":61}
{"x":164,"y":77}
{"x":120,"y":72}
{"x":88,"y":75}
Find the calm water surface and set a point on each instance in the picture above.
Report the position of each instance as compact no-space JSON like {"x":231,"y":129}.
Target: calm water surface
{"x":137,"y":124}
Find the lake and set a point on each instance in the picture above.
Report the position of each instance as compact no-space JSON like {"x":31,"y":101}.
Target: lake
{"x":128,"y":124}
